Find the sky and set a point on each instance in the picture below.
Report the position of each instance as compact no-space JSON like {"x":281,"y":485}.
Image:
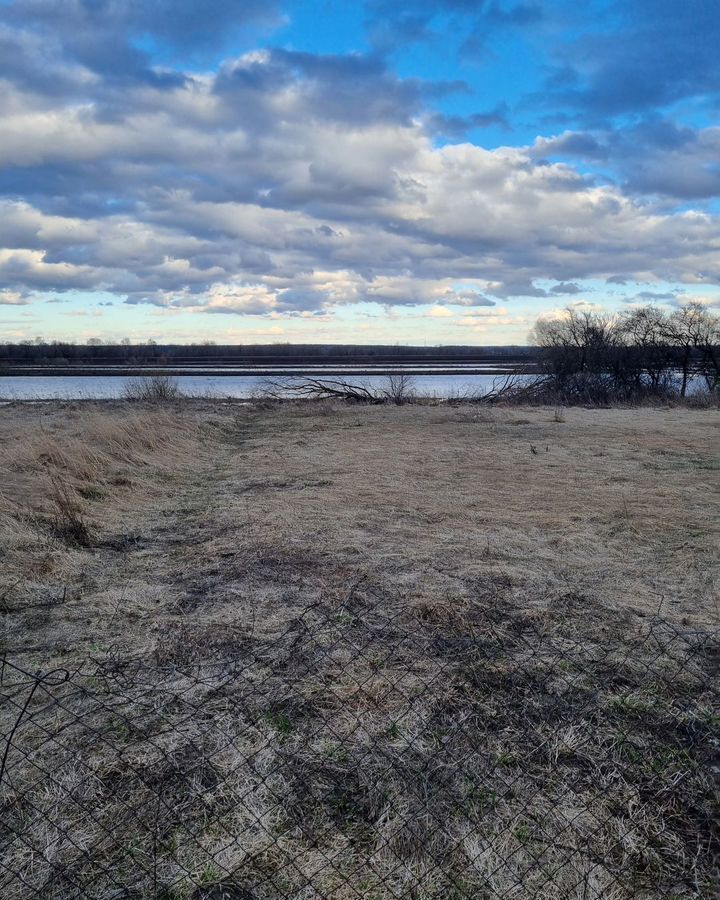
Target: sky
{"x":253,"y":171}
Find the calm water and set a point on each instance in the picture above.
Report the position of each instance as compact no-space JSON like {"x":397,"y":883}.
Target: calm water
{"x":306,"y":369}
{"x":104,"y":387}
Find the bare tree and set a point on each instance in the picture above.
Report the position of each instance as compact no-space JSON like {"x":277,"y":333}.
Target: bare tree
{"x":601,"y":358}
{"x":308,"y":388}
{"x":400,"y":389}
{"x":694,"y":332}
{"x":578,"y":350}
{"x":643,"y":332}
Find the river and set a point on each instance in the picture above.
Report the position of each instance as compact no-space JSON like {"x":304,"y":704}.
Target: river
{"x":103,"y":387}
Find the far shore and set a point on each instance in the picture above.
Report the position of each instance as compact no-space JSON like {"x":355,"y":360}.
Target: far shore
{"x":254,"y":370}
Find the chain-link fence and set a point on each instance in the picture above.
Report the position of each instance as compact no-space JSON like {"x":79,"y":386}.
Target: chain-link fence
{"x":498,"y":754}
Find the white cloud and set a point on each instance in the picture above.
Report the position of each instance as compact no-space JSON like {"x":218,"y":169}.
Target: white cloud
{"x":13,"y":298}
{"x":255,"y":192}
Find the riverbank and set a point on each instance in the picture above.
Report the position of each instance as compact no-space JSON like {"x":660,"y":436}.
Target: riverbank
{"x":430,"y":633}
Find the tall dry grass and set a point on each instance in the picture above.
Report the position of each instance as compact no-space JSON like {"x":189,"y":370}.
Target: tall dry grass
{"x":66,"y":479}
{"x":91,"y":447}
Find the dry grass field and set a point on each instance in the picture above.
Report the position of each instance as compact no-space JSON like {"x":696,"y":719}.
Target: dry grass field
{"x":326,"y":651}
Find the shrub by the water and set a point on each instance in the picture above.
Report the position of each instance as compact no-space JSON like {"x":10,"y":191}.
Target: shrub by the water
{"x":153,"y":389}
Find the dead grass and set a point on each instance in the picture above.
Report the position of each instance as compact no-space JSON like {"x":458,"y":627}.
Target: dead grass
{"x":77,"y":476}
{"x":376,"y":652}
{"x":69,"y":520}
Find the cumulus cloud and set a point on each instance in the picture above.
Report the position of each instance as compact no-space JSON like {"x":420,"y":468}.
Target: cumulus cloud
{"x":286,"y":183}
{"x":565,"y":287}
{"x":655,"y":156}
{"x":116,"y":38}
{"x":12,"y":298}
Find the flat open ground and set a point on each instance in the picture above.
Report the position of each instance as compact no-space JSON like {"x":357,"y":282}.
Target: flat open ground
{"x":318,"y":651}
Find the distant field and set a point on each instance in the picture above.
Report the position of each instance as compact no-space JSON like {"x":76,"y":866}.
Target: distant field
{"x":418,"y":651}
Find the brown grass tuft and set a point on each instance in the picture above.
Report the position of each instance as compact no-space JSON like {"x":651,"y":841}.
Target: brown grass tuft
{"x":69,"y":520}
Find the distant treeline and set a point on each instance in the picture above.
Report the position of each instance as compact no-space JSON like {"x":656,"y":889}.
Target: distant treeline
{"x":59,"y":353}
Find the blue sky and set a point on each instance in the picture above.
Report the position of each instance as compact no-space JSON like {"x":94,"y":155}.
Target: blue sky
{"x":421,"y":172}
